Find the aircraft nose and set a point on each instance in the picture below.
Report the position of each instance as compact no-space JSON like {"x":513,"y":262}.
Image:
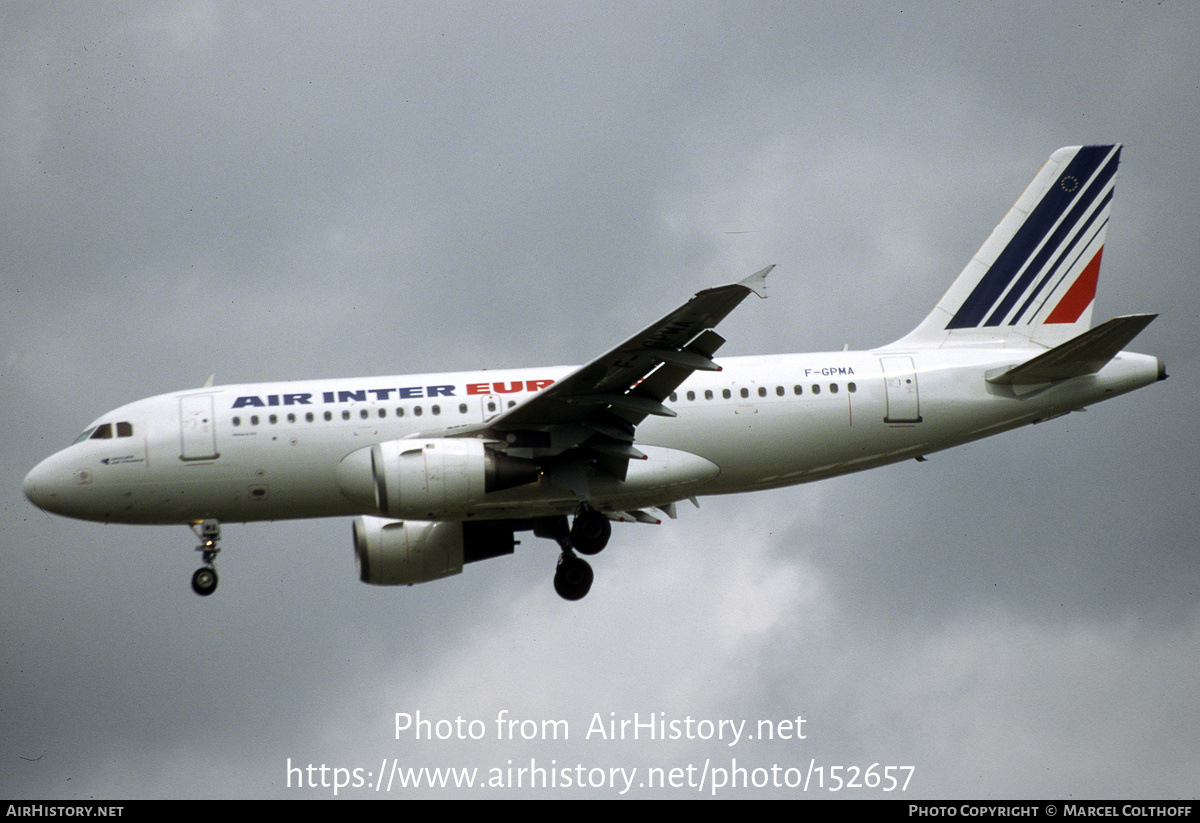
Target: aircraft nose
{"x":30,"y":489}
{"x":45,"y":487}
{"x":31,"y":486}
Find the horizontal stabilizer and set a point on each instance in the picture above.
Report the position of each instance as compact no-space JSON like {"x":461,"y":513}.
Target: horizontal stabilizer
{"x":1085,"y":354}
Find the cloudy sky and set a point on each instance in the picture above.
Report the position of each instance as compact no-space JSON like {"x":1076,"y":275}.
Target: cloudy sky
{"x":283,"y":191}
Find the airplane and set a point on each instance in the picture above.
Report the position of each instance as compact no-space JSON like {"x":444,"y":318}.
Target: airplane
{"x":441,"y":470}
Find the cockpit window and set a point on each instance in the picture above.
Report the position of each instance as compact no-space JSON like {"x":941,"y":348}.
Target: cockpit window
{"x":105,"y":431}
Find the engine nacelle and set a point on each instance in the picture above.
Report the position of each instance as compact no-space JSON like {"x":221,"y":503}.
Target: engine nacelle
{"x":403,"y":552}
{"x":429,"y":479}
{"x":399,"y":552}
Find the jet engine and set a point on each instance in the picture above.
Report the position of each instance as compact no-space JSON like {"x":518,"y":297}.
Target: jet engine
{"x":430,"y":478}
{"x":403,"y":552}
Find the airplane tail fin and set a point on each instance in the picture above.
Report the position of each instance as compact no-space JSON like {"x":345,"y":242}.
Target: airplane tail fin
{"x":1033,"y":282}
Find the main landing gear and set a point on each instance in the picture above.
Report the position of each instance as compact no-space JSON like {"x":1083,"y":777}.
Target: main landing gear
{"x":588,"y":534}
{"x":573,"y":577}
{"x":590,"y":531}
{"x":204,"y":581}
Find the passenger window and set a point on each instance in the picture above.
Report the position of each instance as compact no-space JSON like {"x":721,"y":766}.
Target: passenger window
{"x":346,"y":414}
{"x":462,"y":408}
{"x":816,"y":389}
{"x":328,"y":416}
{"x":291,"y":417}
{"x":850,"y":387}
{"x":674,"y":397}
{"x":779,"y":390}
{"x":762,"y":391}
{"x":691,"y":395}
{"x":833,"y":388}
{"x":417,"y":411}
{"x":435,"y":409}
{"x":237,"y":421}
{"x":797,"y":390}
{"x":254,"y":420}
{"x":364,"y":414}
{"x":745,"y":393}
{"x":708,"y":395}
{"x":726,"y":394}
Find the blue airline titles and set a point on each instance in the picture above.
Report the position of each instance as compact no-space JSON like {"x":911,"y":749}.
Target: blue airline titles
{"x":402,"y":393}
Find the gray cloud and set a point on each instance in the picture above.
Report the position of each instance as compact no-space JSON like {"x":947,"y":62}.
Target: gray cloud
{"x":276,"y":193}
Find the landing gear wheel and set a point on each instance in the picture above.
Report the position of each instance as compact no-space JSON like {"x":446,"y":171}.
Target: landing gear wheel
{"x":590,"y":531}
{"x":573,"y":578}
{"x":204,"y":581}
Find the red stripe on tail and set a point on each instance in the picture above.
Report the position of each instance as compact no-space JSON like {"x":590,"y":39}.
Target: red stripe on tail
{"x":1080,"y":295}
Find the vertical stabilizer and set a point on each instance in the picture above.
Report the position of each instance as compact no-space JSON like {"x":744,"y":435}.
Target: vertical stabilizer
{"x":1033,"y":282}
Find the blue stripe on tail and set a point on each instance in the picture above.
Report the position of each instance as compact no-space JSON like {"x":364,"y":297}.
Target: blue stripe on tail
{"x":1060,"y":214}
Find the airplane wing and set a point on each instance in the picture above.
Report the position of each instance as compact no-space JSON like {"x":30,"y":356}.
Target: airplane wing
{"x":589,"y":416}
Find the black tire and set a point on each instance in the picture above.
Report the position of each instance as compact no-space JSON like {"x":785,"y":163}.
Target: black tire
{"x":590,"y":531}
{"x":573,"y":578}
{"x":204,"y":581}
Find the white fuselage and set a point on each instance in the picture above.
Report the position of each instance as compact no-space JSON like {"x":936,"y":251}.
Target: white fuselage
{"x":285,"y":450}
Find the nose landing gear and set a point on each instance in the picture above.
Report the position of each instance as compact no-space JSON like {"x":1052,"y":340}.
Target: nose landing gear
{"x":204,"y":581}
